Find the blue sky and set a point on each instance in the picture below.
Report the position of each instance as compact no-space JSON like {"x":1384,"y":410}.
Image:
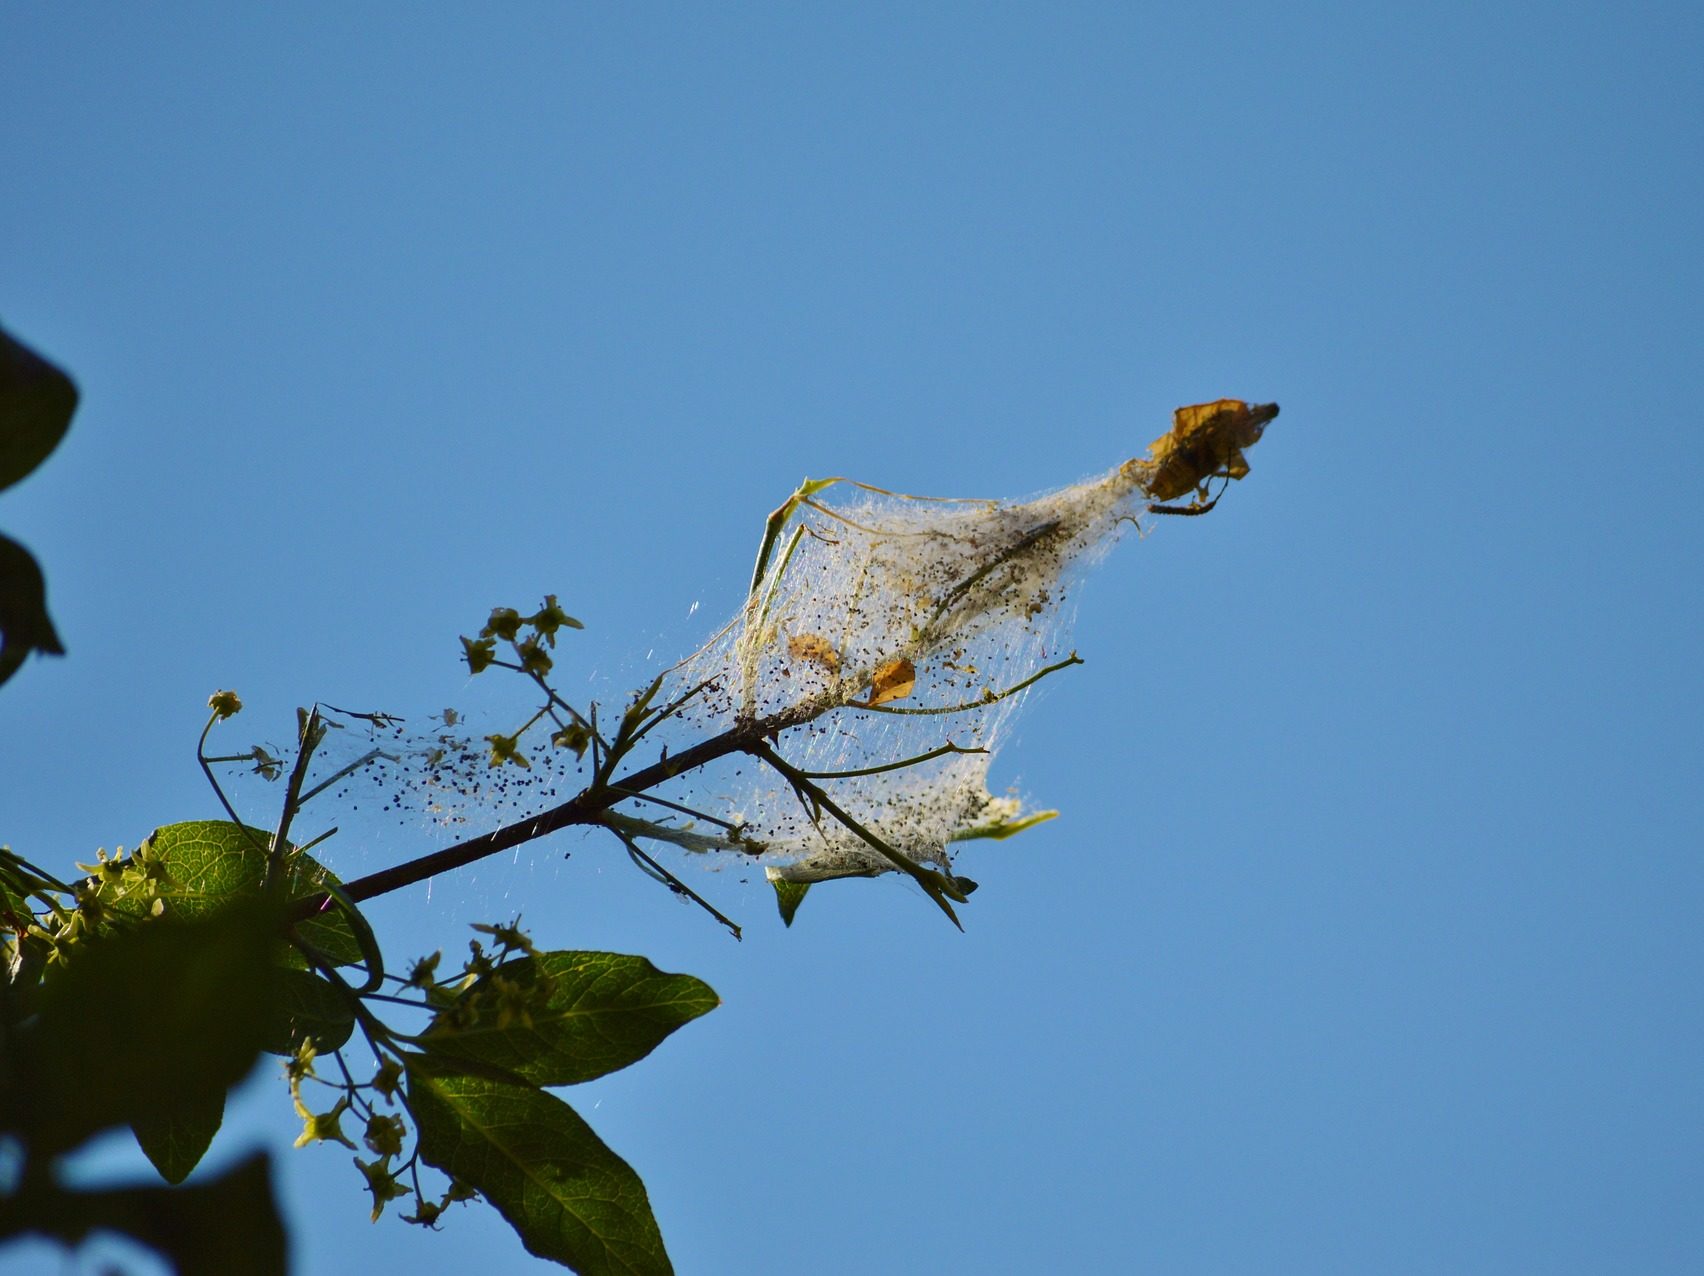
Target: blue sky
{"x":1368,"y":939}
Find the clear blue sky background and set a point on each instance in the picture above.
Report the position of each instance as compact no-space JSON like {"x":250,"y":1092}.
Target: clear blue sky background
{"x":1370,"y":937}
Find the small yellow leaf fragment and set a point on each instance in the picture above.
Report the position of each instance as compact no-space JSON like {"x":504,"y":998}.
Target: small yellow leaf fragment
{"x":816,"y":649}
{"x":1206,"y":441}
{"x":893,"y":680}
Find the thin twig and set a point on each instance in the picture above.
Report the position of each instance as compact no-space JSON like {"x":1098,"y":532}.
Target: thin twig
{"x":1027,"y":541}
{"x":42,"y":875}
{"x":676,"y":806}
{"x":674,"y":883}
{"x":305,"y":847}
{"x":669,"y":710}
{"x":937,"y":885}
{"x":993,"y":697}
{"x":218,"y":790}
{"x":686,"y":839}
{"x":930,"y":756}
{"x":332,"y":779}
{"x":309,"y":741}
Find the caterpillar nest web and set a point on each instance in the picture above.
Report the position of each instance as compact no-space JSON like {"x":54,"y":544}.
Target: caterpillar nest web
{"x":888,"y":626}
{"x":882,"y":655}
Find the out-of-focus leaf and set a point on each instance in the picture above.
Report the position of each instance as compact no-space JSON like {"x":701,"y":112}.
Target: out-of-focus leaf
{"x":26,"y":962}
{"x":565,"y":1017}
{"x":153,"y":1019}
{"x":569,"y":1197}
{"x":225,"y":1225}
{"x":16,"y":911}
{"x":308,"y":1006}
{"x":176,"y":1141}
{"x":24,"y":622}
{"x":209,"y":863}
{"x":788,"y":897}
{"x":36,"y":403}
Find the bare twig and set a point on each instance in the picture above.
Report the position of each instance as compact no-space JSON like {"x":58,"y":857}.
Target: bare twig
{"x":674,"y":883}
{"x":993,"y":697}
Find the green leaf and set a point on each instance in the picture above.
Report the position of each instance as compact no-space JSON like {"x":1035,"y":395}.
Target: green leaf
{"x":309,"y":1006}
{"x":154,"y":1019}
{"x":1000,"y":830}
{"x":788,"y":897}
{"x":564,"y":1192}
{"x":226,"y":1224}
{"x":176,"y":1141}
{"x":566,"y":1017}
{"x":209,"y":863}
{"x":36,"y":403}
{"x":24,"y":623}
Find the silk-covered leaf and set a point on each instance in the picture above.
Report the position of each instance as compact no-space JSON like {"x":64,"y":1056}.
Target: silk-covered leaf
{"x":815,"y":649}
{"x":36,"y":403}
{"x":564,"y":1017}
{"x":143,"y":1021}
{"x":568,"y":1197}
{"x":175,"y":1141}
{"x":999,"y":830}
{"x":893,"y":680}
{"x":208,"y":863}
{"x":788,"y":896}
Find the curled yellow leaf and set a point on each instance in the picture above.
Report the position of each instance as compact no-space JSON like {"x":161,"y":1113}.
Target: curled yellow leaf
{"x":893,"y":680}
{"x":1206,"y":441}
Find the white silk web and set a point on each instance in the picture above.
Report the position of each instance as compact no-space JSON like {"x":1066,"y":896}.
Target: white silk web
{"x":886,"y":628}
{"x":841,"y":723}
{"x":879,"y":629}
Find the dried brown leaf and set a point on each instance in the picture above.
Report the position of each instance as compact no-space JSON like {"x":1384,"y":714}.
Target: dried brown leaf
{"x":893,"y":680}
{"x":816,"y":649}
{"x":1206,"y":440}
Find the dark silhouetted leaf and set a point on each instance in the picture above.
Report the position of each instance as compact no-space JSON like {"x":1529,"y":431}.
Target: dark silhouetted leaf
{"x":226,"y":1225}
{"x":36,"y":403}
{"x":309,"y":1006}
{"x":529,"y":1154}
{"x":565,"y":1017}
{"x":176,"y":1141}
{"x":150,"y":1020}
{"x":24,"y":622}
